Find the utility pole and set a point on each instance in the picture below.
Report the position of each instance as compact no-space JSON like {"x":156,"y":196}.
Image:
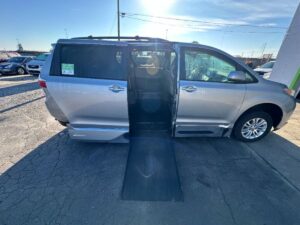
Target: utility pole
{"x":262,"y":52}
{"x":263,"y":49}
{"x":118,"y":11}
{"x":66,"y":33}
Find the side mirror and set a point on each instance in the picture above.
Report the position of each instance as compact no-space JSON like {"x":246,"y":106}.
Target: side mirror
{"x":237,"y":76}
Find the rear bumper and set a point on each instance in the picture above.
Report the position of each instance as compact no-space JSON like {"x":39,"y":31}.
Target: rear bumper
{"x":34,"y":71}
{"x":53,"y":108}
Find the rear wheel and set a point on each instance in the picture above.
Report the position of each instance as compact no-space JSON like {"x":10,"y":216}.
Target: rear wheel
{"x":63,"y":123}
{"x":253,"y":126}
{"x":20,"y":71}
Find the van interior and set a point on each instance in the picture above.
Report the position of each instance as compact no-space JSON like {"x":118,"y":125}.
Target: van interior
{"x":151,"y":89}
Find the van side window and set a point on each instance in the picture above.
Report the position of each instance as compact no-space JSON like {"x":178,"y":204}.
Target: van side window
{"x":90,"y":61}
{"x":202,"y":66}
{"x":249,"y":78}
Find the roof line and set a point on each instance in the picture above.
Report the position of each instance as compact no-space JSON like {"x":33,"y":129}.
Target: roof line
{"x":136,"y":38}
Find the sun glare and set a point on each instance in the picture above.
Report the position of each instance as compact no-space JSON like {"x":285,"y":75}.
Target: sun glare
{"x":158,"y":6}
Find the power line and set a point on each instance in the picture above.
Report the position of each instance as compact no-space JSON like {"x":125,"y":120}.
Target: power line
{"x":197,"y":27}
{"x":125,"y":14}
{"x":113,"y":25}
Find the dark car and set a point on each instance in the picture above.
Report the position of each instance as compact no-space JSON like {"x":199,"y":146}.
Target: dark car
{"x":3,"y":60}
{"x":15,"y":65}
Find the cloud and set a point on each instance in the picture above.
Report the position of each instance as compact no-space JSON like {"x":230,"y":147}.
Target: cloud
{"x":182,"y":24}
{"x":268,"y":24}
{"x":255,"y":10}
{"x":219,"y":15}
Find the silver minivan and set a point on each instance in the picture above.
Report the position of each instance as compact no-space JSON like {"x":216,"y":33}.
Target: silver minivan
{"x":103,"y":89}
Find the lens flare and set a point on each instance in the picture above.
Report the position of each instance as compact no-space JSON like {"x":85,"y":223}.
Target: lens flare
{"x":158,"y":6}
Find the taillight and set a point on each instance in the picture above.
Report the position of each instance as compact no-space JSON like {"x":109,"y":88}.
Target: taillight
{"x":42,"y":84}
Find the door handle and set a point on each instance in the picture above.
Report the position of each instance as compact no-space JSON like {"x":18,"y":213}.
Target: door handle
{"x":116,"y":88}
{"x":189,"y":88}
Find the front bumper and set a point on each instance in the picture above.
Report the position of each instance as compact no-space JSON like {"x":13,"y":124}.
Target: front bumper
{"x":34,"y":71}
{"x":7,"y":71}
{"x":290,"y":107}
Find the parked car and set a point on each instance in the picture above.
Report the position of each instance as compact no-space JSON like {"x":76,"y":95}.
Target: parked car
{"x":15,"y":65}
{"x":265,"y":68}
{"x":5,"y":55}
{"x":3,"y":60}
{"x":103,"y":90}
{"x":35,"y":66}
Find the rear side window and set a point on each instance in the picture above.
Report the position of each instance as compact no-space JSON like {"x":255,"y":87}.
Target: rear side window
{"x":90,"y":61}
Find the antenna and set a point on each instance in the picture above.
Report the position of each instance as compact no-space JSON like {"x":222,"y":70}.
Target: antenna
{"x":118,"y":12}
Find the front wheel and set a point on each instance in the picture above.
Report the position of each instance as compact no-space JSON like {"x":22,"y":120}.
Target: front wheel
{"x":253,"y":126}
{"x":20,"y":71}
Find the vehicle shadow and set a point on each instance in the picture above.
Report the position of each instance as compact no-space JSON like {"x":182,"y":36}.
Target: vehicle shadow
{"x":19,"y":105}
{"x":275,"y":142}
{"x":41,"y":186}
{"x":17,"y":89}
{"x":282,"y":156}
{"x":17,"y":78}
{"x":68,"y":182}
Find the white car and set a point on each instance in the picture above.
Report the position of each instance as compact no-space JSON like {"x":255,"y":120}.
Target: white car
{"x":265,"y":68}
{"x":35,"y":66}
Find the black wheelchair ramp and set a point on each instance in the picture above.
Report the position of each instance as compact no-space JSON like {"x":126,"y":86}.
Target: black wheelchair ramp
{"x":151,"y":173}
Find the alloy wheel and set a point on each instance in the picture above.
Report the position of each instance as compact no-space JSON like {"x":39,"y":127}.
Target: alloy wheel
{"x":254,"y":128}
{"x":21,"y":71}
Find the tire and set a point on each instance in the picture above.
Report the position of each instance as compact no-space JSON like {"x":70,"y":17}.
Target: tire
{"x":20,"y":71}
{"x":253,"y":126}
{"x":63,"y":123}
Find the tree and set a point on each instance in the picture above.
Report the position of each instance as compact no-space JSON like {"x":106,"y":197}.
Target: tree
{"x":20,"y":47}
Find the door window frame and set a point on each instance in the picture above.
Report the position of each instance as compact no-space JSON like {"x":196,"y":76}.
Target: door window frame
{"x":239,"y":67}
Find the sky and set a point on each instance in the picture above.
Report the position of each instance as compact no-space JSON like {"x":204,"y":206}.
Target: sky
{"x":247,"y":28}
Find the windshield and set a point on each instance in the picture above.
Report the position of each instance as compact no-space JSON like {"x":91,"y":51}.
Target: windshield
{"x":41,"y":57}
{"x":16,"y":59}
{"x":268,"y":65}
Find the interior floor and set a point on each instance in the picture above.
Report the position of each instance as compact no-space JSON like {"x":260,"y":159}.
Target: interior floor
{"x":151,"y":114}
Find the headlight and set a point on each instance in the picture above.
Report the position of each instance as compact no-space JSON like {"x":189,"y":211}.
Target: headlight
{"x":8,"y":66}
{"x":289,"y":91}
